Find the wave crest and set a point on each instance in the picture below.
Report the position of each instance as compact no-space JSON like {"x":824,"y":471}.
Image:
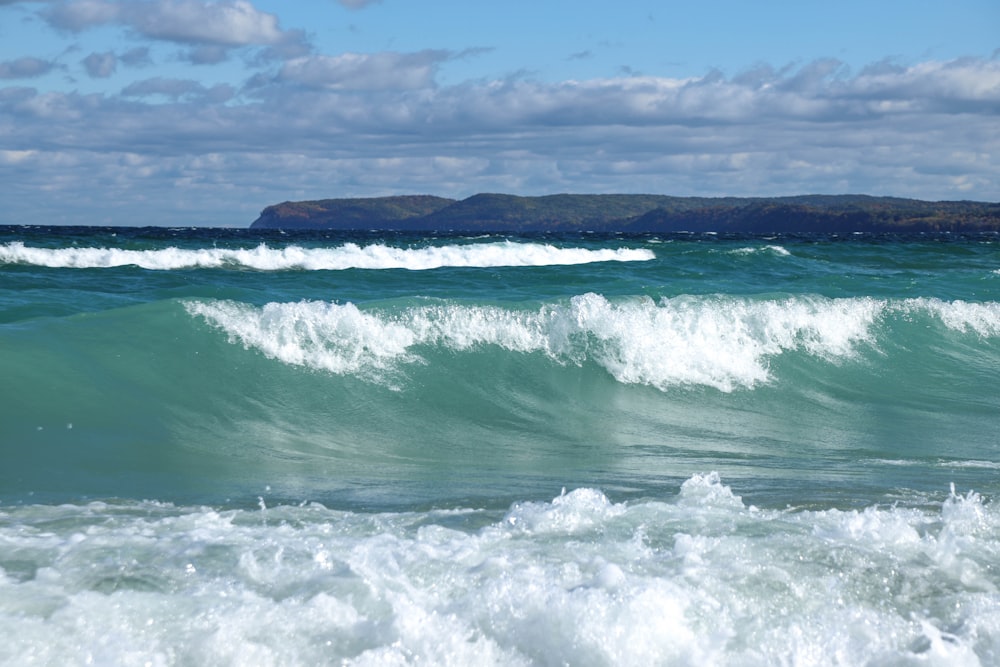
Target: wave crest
{"x":347,"y":256}
{"x":721,"y":342}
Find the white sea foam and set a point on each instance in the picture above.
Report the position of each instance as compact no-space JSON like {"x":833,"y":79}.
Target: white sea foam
{"x":992,"y":465}
{"x":326,"y":336}
{"x":981,"y":318}
{"x":347,"y":256}
{"x":696,"y":579}
{"x":722,"y":342}
{"x":778,"y":250}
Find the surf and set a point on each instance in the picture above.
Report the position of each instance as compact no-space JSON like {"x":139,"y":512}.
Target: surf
{"x":374,"y":256}
{"x":696,"y":575}
{"x":723,"y":342}
{"x":737,"y":451}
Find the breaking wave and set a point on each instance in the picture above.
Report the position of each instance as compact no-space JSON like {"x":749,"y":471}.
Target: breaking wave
{"x":722,"y":342}
{"x":700,"y":578}
{"x":346,"y":256}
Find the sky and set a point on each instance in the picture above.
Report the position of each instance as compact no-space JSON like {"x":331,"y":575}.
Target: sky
{"x":203,"y":112}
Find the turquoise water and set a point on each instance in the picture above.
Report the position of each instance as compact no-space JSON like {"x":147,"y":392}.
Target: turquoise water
{"x":263,"y":448}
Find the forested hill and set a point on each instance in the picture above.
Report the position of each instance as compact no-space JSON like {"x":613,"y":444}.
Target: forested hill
{"x":633,"y":213}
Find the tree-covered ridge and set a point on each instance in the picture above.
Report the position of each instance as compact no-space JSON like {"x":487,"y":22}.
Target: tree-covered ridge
{"x":360,"y":213}
{"x":633,"y":213}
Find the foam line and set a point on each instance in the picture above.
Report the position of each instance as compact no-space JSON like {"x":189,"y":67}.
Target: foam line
{"x":347,"y":256}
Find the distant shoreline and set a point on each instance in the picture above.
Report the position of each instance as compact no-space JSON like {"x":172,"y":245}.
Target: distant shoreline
{"x":633,"y":213}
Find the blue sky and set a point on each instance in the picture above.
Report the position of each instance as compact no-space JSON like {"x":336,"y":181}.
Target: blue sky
{"x":202,"y":112}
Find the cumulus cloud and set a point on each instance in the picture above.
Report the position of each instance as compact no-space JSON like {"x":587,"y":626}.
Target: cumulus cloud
{"x":176,"y":89}
{"x":225,"y":23}
{"x":100,"y":65}
{"x":235,"y":23}
{"x":25,"y":68}
{"x":103,"y":65}
{"x":954,"y":84}
{"x":356,"y":71}
{"x":368,"y":91}
{"x":369,"y":124}
{"x":207,"y":54}
{"x":137,"y":57}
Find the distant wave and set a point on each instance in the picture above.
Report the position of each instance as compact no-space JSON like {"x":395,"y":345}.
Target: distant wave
{"x":777,"y":250}
{"x":347,"y":256}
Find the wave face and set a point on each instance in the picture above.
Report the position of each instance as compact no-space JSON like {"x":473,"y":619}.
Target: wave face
{"x":734,"y":451}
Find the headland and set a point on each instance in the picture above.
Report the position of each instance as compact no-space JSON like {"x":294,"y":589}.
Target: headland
{"x":634,"y":213}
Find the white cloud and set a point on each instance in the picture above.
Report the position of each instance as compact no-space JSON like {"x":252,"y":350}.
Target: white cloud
{"x":232,"y":23}
{"x":176,"y":89}
{"x":953,"y":83}
{"x":207,"y":54}
{"x":137,"y":57}
{"x":25,"y":68}
{"x":15,"y":157}
{"x":356,"y":71}
{"x":100,"y":65}
{"x":397,"y":91}
{"x":78,"y":15}
{"x":224,"y":23}
{"x":360,"y":125}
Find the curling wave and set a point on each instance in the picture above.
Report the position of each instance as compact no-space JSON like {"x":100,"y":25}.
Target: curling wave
{"x":722,"y":342}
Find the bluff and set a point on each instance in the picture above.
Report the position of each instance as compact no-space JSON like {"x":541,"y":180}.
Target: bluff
{"x":350,"y":214}
{"x":633,"y":213}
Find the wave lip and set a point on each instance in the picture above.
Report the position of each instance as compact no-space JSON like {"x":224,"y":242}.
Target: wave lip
{"x":347,"y":256}
{"x":723,"y":342}
{"x":981,"y":318}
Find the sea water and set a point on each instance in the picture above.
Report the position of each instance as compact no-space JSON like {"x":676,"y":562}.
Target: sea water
{"x":231,"y":447}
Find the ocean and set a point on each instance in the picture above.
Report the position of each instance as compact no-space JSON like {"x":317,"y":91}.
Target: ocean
{"x":235,"y":447}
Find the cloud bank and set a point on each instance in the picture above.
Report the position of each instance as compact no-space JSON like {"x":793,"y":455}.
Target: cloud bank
{"x":24,"y":68}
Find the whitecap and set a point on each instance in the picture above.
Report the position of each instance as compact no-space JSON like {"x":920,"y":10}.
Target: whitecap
{"x":692,"y":578}
{"x":720,"y":342}
{"x":980,"y":318}
{"x":347,"y":256}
